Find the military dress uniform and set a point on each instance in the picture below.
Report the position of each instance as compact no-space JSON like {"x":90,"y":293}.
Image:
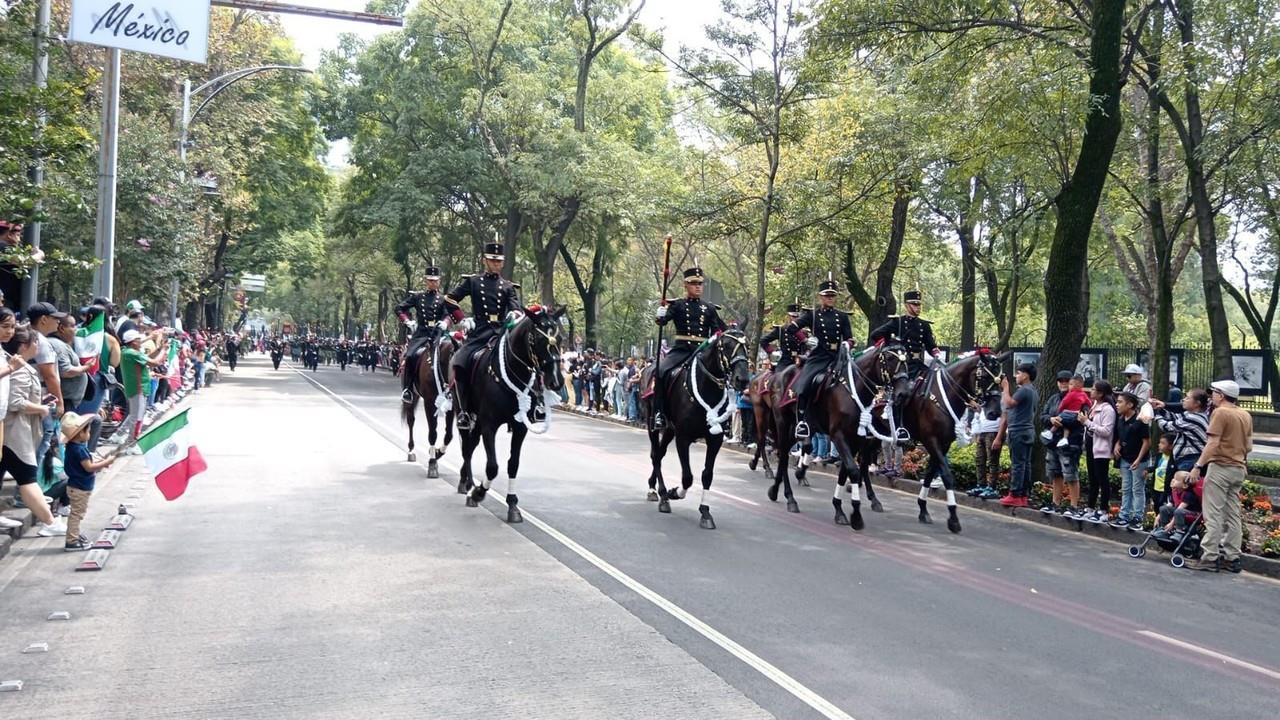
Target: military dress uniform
{"x":695,"y":321}
{"x":831,"y":330}
{"x":915,"y":334}
{"x":493,"y":299}
{"x":790,"y":344}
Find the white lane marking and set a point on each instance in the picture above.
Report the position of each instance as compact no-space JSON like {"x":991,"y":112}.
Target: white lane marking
{"x":797,"y":689}
{"x":735,"y":497}
{"x":1267,"y":672}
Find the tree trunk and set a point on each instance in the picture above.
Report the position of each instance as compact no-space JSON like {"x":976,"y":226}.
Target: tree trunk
{"x":1161,"y":337}
{"x":968,"y":265}
{"x":772,"y":150}
{"x":885,"y":304}
{"x":1065,"y":309}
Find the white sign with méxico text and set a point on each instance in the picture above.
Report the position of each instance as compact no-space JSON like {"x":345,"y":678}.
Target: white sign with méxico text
{"x":177,"y":29}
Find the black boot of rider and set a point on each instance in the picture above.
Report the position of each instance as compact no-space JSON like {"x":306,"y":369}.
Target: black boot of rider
{"x":802,"y":427}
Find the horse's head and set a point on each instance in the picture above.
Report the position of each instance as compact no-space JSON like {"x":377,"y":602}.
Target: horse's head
{"x":543,"y":340}
{"x":892,"y":372}
{"x":985,"y":377}
{"x":729,"y":358}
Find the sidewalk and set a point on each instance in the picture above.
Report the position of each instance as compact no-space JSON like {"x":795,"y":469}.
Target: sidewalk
{"x":311,"y":573}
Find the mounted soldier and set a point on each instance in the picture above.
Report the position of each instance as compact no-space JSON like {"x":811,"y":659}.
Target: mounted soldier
{"x":431,"y":313}
{"x":790,"y":344}
{"x":494,"y":300}
{"x":830,"y":328}
{"x":695,"y":322}
{"x":914,"y":332}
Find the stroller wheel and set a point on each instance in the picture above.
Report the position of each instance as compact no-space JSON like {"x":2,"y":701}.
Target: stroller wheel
{"x":1137,"y":551}
{"x":1177,"y":560}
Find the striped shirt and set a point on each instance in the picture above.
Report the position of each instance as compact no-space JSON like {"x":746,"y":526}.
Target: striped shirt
{"x":1192,"y":429}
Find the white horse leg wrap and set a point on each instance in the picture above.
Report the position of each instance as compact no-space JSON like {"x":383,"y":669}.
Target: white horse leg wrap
{"x":951,"y":498}
{"x":702,"y":499}
{"x":511,"y":486}
{"x":855,"y":492}
{"x":924,"y":491}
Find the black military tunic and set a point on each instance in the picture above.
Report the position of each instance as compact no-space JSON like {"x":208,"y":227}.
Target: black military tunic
{"x":831,"y":327}
{"x":429,"y":309}
{"x":915,"y":334}
{"x":790,"y":345}
{"x":695,"y":321}
{"x":492,"y":297}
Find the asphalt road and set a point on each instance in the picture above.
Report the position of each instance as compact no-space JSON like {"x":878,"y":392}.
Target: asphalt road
{"x":898,"y":621}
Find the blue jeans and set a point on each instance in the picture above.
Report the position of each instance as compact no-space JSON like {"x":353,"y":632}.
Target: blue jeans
{"x":199,"y":374}
{"x":1020,"y":440}
{"x":820,"y":445}
{"x":1133,"y":491}
{"x":633,"y":406}
{"x":579,"y":398}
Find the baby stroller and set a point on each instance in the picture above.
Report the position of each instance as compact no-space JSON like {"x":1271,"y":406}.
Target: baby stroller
{"x":1186,"y":546}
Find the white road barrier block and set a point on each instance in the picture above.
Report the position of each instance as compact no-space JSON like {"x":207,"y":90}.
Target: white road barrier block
{"x":10,"y":685}
{"x":74,"y":590}
{"x":94,"y":560}
{"x":107,"y":539}
{"x":40,"y":647}
{"x":120,"y":522}
{"x":60,"y":615}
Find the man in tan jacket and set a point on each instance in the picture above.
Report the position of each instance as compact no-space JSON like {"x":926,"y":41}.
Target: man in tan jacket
{"x":1223,"y":464}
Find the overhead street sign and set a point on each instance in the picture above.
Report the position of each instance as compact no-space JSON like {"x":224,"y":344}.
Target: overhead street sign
{"x":177,"y":29}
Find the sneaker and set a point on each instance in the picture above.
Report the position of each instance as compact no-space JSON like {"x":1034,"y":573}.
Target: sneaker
{"x":1021,"y":501}
{"x":1066,"y":511}
{"x":1049,"y":509}
{"x":51,"y":530}
{"x":77,"y":545}
{"x":990,"y":494}
{"x":1099,"y":517}
{"x":1160,"y":534}
{"x":1063,"y":442}
{"x":1214,"y":565}
{"x":64,"y":511}
{"x":1235,"y":566}
{"x":1009,"y":500}
{"x":1119,"y":523}
{"x":8,"y":523}
{"x":1134,"y":526}
{"x":1047,"y":435}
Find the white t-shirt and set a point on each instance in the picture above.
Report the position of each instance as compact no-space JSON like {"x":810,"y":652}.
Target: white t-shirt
{"x":45,"y":354}
{"x":4,"y":385}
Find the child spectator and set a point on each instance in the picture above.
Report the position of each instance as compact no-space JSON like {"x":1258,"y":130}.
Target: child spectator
{"x":1187,"y":497}
{"x":81,"y":470}
{"x":1133,"y":440}
{"x":1160,"y":475}
{"x":1075,"y":401}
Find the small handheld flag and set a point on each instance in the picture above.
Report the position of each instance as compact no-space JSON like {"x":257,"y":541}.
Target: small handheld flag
{"x":170,"y":455}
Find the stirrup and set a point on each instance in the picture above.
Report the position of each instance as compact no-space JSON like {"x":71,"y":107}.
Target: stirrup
{"x":659,"y":421}
{"x":464,"y":421}
{"x":406,"y":397}
{"x":903,"y":437}
{"x":802,"y":430}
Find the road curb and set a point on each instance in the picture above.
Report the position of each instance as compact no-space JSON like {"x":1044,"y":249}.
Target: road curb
{"x":1252,"y":563}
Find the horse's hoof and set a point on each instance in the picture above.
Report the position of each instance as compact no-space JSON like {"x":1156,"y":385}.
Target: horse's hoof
{"x":876,"y":506}
{"x":800,"y":480}
{"x":462,"y":486}
{"x":514,"y":516}
{"x":674,"y":494}
{"x":855,"y":521}
{"x":471,"y":502}
{"x":652,"y":496}
{"x":793,"y":506}
{"x":433,"y":471}
{"x":773,"y":493}
{"x":706,"y":523}
{"x":800,"y":471}
{"x":413,"y":457}
{"x":664,"y":506}
{"x":752,"y":464}
{"x":953,"y":524}
{"x":841,"y":518}
{"x":925,"y":519}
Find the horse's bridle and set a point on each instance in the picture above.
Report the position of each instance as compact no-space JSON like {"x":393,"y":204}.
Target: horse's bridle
{"x":885,"y":378}
{"x":736,"y":356}
{"x":982,"y":386}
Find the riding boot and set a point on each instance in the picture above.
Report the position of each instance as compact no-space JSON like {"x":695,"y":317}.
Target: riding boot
{"x":659,"y":419}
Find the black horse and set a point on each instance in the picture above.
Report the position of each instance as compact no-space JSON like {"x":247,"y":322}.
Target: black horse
{"x":277,"y":354}
{"x":931,"y":415}
{"x":857,"y":410}
{"x":503,"y":381}
{"x":700,"y":398}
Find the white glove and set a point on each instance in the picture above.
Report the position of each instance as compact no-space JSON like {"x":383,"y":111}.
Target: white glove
{"x":811,"y":342}
{"x":515,"y":316}
{"x":662,"y":312}
{"x":468,"y":324}
{"x":443,"y":324}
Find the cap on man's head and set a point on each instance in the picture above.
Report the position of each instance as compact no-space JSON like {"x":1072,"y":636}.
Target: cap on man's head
{"x":131,"y":336}
{"x":1029,"y":369}
{"x":43,"y":309}
{"x":1134,"y":369}
{"x":1229,"y":388}
{"x":133,"y":306}
{"x":1065,"y":375}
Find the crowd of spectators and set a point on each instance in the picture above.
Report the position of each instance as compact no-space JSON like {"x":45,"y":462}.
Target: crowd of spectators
{"x":72,"y":400}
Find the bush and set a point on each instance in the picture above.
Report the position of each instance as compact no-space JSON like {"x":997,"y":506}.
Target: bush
{"x":1264,"y":468}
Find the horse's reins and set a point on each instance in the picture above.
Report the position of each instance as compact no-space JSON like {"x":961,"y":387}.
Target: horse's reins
{"x":723,"y":410}
{"x":865,"y":421}
{"x":966,"y":396}
{"x":523,"y":395}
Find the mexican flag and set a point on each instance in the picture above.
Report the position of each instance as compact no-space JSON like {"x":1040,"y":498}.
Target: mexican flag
{"x":91,"y":344}
{"x":170,"y":455}
{"x":175,"y":372}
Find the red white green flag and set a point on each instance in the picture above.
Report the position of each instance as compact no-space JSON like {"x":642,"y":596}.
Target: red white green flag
{"x":170,"y":455}
{"x":175,"y":367}
{"x":91,"y":344}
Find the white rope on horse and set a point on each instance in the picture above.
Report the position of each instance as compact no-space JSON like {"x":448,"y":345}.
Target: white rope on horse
{"x":444,"y":402}
{"x":524,"y":396}
{"x":866,"y":422}
{"x":723,"y":410}
{"x":961,"y":428}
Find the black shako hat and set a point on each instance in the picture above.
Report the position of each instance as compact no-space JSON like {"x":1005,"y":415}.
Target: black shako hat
{"x":433,"y":271}
{"x":911,"y":296}
{"x":794,"y":308}
{"x":694,"y":274}
{"x":829,"y":286}
{"x":494,"y":251}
